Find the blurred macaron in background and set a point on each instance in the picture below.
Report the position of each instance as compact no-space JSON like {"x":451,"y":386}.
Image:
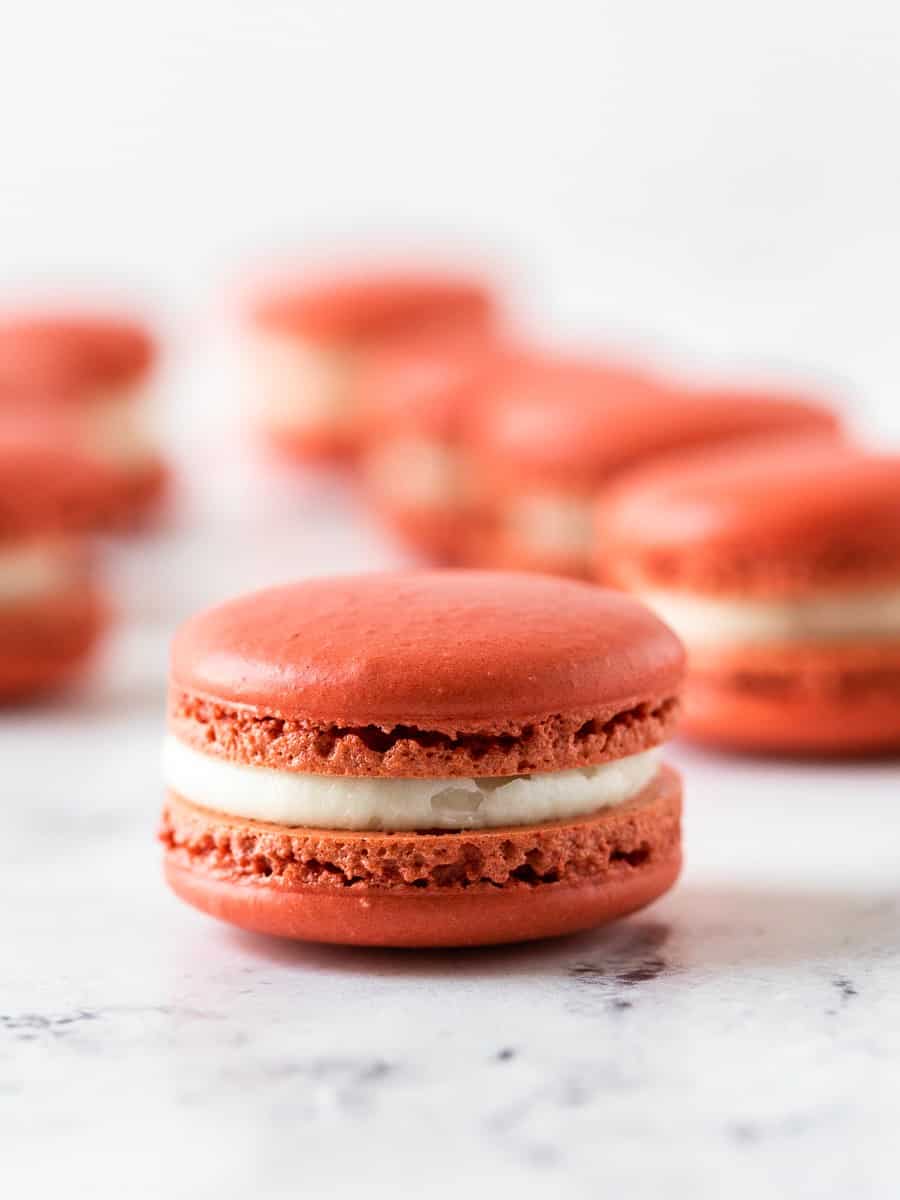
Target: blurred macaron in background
{"x":307,"y":342}
{"x":417,"y":405}
{"x":778,"y":563}
{"x":95,"y":372}
{"x":53,"y":608}
{"x":555,"y":432}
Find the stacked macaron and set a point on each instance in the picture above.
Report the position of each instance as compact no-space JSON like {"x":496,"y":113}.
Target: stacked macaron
{"x":445,"y":758}
{"x":779,"y":565}
{"x":94,"y":373}
{"x":306,"y":344}
{"x":52,"y":611}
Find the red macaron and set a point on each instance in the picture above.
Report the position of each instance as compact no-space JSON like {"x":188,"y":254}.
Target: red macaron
{"x":94,"y":372}
{"x":52,"y":611}
{"x":779,"y":564}
{"x":308,"y":342}
{"x":555,"y":432}
{"x":422,"y":759}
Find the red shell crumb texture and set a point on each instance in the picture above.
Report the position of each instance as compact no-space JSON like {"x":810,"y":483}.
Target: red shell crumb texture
{"x":471,"y":888}
{"x":775,"y":518}
{"x":840,"y":698}
{"x":60,"y":355}
{"x":554,"y":744}
{"x":479,"y":668}
{"x":376,"y":307}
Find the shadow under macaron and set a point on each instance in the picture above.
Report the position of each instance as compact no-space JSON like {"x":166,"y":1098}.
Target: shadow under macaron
{"x":697,"y":932}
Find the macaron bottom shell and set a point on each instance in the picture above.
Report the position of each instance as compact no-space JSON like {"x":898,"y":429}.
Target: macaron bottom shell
{"x":570,"y":875}
{"x":137,"y":498}
{"x":387,"y":920}
{"x":489,"y":547}
{"x":325,"y":444}
{"x":511,"y":557}
{"x":44,"y":644}
{"x":438,"y":537}
{"x":839,"y":699}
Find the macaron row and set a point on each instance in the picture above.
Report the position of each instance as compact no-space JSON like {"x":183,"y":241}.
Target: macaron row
{"x":473,"y":446}
{"x":748,"y":519}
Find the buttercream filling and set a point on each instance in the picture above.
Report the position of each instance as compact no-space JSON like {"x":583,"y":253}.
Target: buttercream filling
{"x":706,"y":621}
{"x":117,"y":425}
{"x":29,"y":570}
{"x":294,"y":385}
{"x":416,"y":471}
{"x":356,"y":802}
{"x":552,"y":524}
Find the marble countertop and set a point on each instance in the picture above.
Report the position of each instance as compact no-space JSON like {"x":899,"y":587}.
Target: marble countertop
{"x":740,"y":1038}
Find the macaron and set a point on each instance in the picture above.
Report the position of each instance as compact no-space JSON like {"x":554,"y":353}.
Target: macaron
{"x":415,"y":400}
{"x":556,"y":431}
{"x":425,"y":758}
{"x":305,"y":345}
{"x":52,"y":611}
{"x":94,"y":372}
{"x":779,"y":565}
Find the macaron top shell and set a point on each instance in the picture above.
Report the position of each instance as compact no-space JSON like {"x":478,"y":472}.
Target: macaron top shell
{"x":581,"y":424}
{"x":376,"y":307}
{"x":59,"y":355}
{"x":779,"y":513}
{"x":437,"y":650}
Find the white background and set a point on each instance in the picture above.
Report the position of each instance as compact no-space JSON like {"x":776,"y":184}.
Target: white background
{"x":718,"y":183}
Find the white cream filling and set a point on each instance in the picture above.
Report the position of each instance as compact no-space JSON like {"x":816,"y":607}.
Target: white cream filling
{"x":418,"y":472}
{"x":295,"y":386}
{"x":117,"y":425}
{"x":552,"y":524}
{"x":707,"y":621}
{"x":30,"y":570}
{"x":355,"y":802}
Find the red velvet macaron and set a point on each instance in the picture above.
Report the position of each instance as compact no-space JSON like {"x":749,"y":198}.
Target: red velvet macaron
{"x":779,"y":564}
{"x":51,"y":610}
{"x":94,"y":372}
{"x":555,"y":432}
{"x":446,"y":758}
{"x":308,"y":342}
{"x":415,"y":405}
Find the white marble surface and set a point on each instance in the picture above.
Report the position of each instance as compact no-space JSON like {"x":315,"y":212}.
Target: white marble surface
{"x":740,"y":1038}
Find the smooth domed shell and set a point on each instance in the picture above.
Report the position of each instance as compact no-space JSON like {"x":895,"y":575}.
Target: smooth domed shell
{"x":57,"y":355}
{"x":374,"y":306}
{"x":571,"y":422}
{"x":772,"y":494}
{"x":465,"y":650}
